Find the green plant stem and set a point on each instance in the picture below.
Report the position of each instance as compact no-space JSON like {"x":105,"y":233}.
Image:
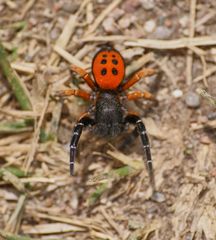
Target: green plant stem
{"x":16,"y":84}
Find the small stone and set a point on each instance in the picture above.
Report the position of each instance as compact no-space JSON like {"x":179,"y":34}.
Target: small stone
{"x":109,"y":25}
{"x":148,"y":4}
{"x":70,"y":7}
{"x":184,"y":21}
{"x":54,"y":33}
{"x":158,"y":197}
{"x":150,"y":26}
{"x":126,"y":21}
{"x":177,"y":93}
{"x":162,"y":32}
{"x":192,"y":100}
{"x":117,"y":13}
{"x":130,"y":6}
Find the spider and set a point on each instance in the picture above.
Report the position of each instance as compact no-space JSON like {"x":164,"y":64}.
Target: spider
{"x":106,"y":114}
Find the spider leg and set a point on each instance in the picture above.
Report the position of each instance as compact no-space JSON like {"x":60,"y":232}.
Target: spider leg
{"x":137,"y":76}
{"x":74,"y":92}
{"x":138,"y":94}
{"x":84,"y":121}
{"x":83,"y":74}
{"x":134,"y":119}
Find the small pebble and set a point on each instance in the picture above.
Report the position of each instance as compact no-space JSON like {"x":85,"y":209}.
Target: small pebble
{"x":177,"y":93}
{"x":184,"y":21}
{"x":117,"y":13}
{"x":148,"y":4}
{"x":150,"y":26}
{"x":126,"y":21}
{"x":192,"y":100}
{"x":130,"y":6}
{"x":70,"y":7}
{"x":54,"y":33}
{"x":162,"y":32}
{"x":109,"y":25}
{"x":158,"y":197}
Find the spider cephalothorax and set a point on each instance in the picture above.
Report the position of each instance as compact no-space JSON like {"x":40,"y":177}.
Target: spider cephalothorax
{"x":107,"y":115}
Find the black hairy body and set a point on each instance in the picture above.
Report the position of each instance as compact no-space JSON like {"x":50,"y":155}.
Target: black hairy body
{"x":109,"y":114}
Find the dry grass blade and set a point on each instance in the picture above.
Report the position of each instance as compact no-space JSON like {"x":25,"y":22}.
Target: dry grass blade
{"x":154,"y":129}
{"x":140,"y":62}
{"x":172,"y":44}
{"x":207,"y":73}
{"x":51,"y":228}
{"x":100,"y":235}
{"x":191,"y":35}
{"x":27,"y":7}
{"x":33,"y":149}
{"x":8,"y":236}
{"x":112,"y":223}
{"x":13,"y":224}
{"x":76,"y":222}
{"x":101,"y":17}
{"x":24,"y":67}
{"x":127,"y":160}
{"x":68,"y":57}
{"x":15,"y":181}
{"x":64,"y":38}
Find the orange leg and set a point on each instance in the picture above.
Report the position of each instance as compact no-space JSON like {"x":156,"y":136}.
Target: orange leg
{"x":83,"y":74}
{"x":138,"y":94}
{"x":137,"y":76}
{"x":74,"y":92}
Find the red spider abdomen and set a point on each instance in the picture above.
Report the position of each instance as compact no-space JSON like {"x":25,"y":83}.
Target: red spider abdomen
{"x":108,"y":69}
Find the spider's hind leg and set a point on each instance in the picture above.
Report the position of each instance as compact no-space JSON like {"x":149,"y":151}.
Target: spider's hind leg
{"x":84,"y":121}
{"x":136,"y":120}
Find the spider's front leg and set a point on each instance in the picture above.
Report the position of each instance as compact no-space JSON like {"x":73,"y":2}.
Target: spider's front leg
{"x":136,"y":120}
{"x":84,"y":121}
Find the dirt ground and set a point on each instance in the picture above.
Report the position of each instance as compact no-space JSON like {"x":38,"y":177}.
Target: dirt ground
{"x":109,"y":197}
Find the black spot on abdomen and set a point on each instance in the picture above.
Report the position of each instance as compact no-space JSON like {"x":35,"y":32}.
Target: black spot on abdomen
{"x":114,"y":71}
{"x":103,"y":71}
{"x":115,"y":62}
{"x":103,"y":61}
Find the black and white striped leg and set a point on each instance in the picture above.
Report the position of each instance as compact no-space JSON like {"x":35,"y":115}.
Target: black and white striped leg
{"x":83,"y":122}
{"x":134,"y":119}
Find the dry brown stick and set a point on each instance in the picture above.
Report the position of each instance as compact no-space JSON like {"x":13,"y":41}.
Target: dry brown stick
{"x":35,"y":139}
{"x":189,"y":58}
{"x":101,"y":17}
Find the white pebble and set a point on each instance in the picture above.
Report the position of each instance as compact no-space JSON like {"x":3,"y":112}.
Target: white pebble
{"x":177,"y":93}
{"x":150,"y":26}
{"x":148,"y":4}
